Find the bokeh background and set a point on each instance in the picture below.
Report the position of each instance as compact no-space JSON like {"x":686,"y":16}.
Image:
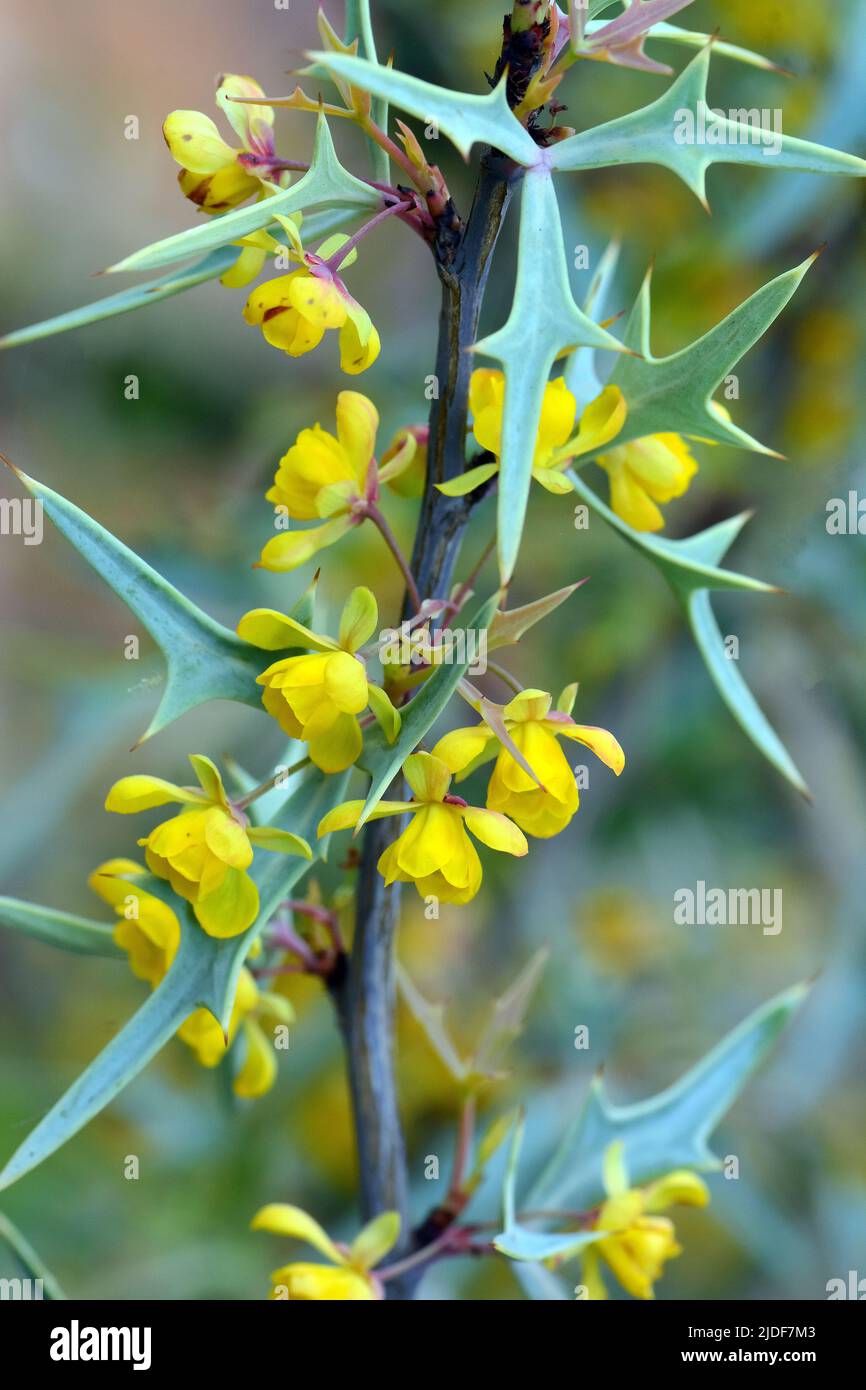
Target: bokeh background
{"x":179,"y":474}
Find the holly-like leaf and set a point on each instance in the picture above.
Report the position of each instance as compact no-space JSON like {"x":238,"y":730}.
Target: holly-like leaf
{"x":674,"y":393}
{"x":691,"y":38}
{"x":63,"y":929}
{"x":175,"y":282}
{"x":204,"y":974}
{"x":382,"y":759}
{"x":467,"y":119}
{"x":670,"y":132}
{"x":205,"y":660}
{"x":692,"y":569}
{"x":325,"y":183}
{"x":669,"y":1131}
{"x":545,"y":323}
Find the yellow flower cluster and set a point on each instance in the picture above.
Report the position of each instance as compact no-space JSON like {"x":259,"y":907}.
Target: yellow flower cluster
{"x":348,"y":1276}
{"x":149,"y":932}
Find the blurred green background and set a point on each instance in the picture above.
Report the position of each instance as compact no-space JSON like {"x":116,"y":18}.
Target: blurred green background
{"x":179,"y":474}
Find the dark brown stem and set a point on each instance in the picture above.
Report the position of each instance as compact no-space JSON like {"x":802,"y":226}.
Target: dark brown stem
{"x":364,"y":996}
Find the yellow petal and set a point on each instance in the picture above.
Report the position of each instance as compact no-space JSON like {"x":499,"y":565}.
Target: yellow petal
{"x":259,"y":1070}
{"x":346,"y":678}
{"x":496,"y":831}
{"x":227,"y":840}
{"x":320,"y":1283}
{"x":278,"y":841}
{"x":357,"y":425}
{"x":111,"y":879}
{"x":337,"y":747}
{"x":291,"y":332}
{"x":272,"y":295}
{"x":602,"y":743}
{"x":283,"y":1220}
{"x":247,"y":267}
{"x":375,"y":1240}
{"x":428,"y":776}
{"x":253,"y":124}
{"x":558,"y":409}
{"x":346,"y":815}
{"x":629,"y":500}
{"x":358,"y":620}
{"x":209,"y":779}
{"x":433,"y":838}
{"x":357,"y":355}
{"x":468,"y":481}
{"x":681,"y":1187}
{"x":231,"y":908}
{"x":315,"y":461}
{"x":195,"y":142}
{"x":318,"y":301}
{"x":219,"y":192}
{"x":462,"y":746}
{"x":388,"y":718}
{"x":529,"y":704}
{"x":292,"y":549}
{"x":140,"y":793}
{"x":265,"y":627}
{"x":662,"y":464}
{"x":486,"y":398}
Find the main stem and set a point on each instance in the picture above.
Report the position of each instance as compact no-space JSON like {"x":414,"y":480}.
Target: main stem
{"x":365,"y":995}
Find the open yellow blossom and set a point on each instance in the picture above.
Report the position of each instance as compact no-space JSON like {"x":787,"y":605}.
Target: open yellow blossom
{"x":347,"y":1276}
{"x":534,"y":728}
{"x":637,"y":1242}
{"x":434,"y":852}
{"x":295,"y":311}
{"x":204,"y":851}
{"x":317,"y":697}
{"x":149,"y":932}
{"x":333,"y":476}
{"x":217,"y":176}
{"x":645,"y":472}
{"x":556,"y":443}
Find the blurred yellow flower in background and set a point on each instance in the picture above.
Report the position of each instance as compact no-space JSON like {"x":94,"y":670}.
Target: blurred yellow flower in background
{"x":637,"y":1243}
{"x":644,"y":472}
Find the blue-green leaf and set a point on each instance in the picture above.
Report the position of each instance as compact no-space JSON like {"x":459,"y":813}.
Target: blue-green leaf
{"x":669,"y":1131}
{"x":326,"y":182}
{"x":467,"y":119}
{"x":205,"y":660}
{"x":154,"y":291}
{"x":382,"y":759}
{"x":544,"y":323}
{"x":61,"y":929}
{"x":652,"y":134}
{"x":204,"y":974}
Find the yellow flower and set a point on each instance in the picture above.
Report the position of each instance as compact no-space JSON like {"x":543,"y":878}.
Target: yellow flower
{"x":434,"y":852}
{"x":323,"y":475}
{"x":295,"y":311}
{"x":636,"y":1242}
{"x":534,"y":729}
{"x":204,"y":851}
{"x":347,"y":1277}
{"x":149,"y":932}
{"x":644,"y":472}
{"x":555,"y":444}
{"x":317,"y":698}
{"x":217,"y":176}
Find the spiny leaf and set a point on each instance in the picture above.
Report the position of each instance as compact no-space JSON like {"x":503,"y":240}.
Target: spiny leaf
{"x":691,"y":38}
{"x":154,"y":291}
{"x":669,"y":1131}
{"x":205,"y":660}
{"x":465,"y":118}
{"x":325,"y":182}
{"x":691,"y":567}
{"x":544,"y":323}
{"x":674,"y":394}
{"x":62,"y":929}
{"x":659,"y":134}
{"x":383,"y":760}
{"x":621,"y":40}
{"x":204,"y":974}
